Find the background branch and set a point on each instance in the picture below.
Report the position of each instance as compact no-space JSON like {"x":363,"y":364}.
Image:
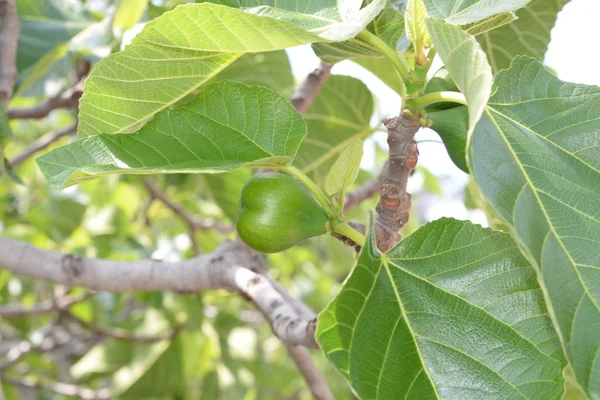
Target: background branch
{"x":42,"y":143}
{"x":68,"y":99}
{"x":48,"y":306}
{"x":64,"y":389}
{"x":305,"y":94}
{"x":192,"y":222}
{"x":9,"y":35}
{"x":363,"y":192}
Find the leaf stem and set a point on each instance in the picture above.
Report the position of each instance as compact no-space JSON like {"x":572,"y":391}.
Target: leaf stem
{"x":440,"y":97}
{"x":397,"y":59}
{"x":310,"y":185}
{"x":351,"y":233}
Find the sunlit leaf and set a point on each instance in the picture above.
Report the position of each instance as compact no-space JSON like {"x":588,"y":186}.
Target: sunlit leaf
{"x":128,"y":13}
{"x":182,"y":49}
{"x":228,"y":126}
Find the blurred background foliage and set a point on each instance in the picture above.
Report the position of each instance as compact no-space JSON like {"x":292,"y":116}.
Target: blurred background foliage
{"x":211,"y":345}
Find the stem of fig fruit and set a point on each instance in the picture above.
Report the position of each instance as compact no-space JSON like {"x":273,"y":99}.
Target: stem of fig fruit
{"x":351,"y":233}
{"x":311,"y":186}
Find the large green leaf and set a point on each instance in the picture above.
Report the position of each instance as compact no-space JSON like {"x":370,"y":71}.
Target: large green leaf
{"x":179,"y":51}
{"x":44,"y":25}
{"x":467,"y":11}
{"x":535,"y":156}
{"x":528,"y":35}
{"x":229,"y":125}
{"x":467,"y":64}
{"x":270,"y":70}
{"x":454,"y":311}
{"x":340,"y":114}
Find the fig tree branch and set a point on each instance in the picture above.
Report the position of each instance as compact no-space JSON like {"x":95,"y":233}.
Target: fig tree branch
{"x":193,"y":223}
{"x":363,"y":192}
{"x":68,"y":99}
{"x":394,"y":203}
{"x":64,"y":389}
{"x":305,"y":94}
{"x":230,"y":267}
{"x":9,"y":34}
{"x":42,"y":143}
{"x":45,"y":307}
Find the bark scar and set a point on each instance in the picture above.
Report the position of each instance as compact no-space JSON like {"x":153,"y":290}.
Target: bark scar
{"x":394,"y":204}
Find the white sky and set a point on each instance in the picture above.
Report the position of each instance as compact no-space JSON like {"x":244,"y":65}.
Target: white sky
{"x":571,"y":53}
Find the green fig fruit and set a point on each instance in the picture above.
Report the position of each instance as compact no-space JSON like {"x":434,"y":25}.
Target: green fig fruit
{"x":276,"y":212}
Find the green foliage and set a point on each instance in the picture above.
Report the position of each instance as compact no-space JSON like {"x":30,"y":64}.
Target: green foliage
{"x":344,"y":171}
{"x":44,"y":24}
{"x":528,"y":35}
{"x":449,"y":308}
{"x":174,"y":49}
{"x":227,"y":126}
{"x":340,"y":115}
{"x":547,"y":193}
{"x":453,"y":311}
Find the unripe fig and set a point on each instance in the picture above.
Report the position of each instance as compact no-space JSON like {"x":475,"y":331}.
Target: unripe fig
{"x":276,"y":212}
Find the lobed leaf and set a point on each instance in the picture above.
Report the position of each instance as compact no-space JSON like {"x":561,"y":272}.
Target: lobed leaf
{"x":535,"y":156}
{"x":454,"y":311}
{"x":228,"y":126}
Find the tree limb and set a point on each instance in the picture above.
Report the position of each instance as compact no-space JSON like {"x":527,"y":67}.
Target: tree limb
{"x":305,"y":94}
{"x":67,"y":99}
{"x":363,"y":192}
{"x":9,"y":35}
{"x":314,"y":379}
{"x":394,"y":204}
{"x":43,"y":142}
{"x":230,"y":267}
{"x":121,"y":334}
{"x":192,"y":222}
{"x":64,"y":389}
{"x":48,"y":306}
